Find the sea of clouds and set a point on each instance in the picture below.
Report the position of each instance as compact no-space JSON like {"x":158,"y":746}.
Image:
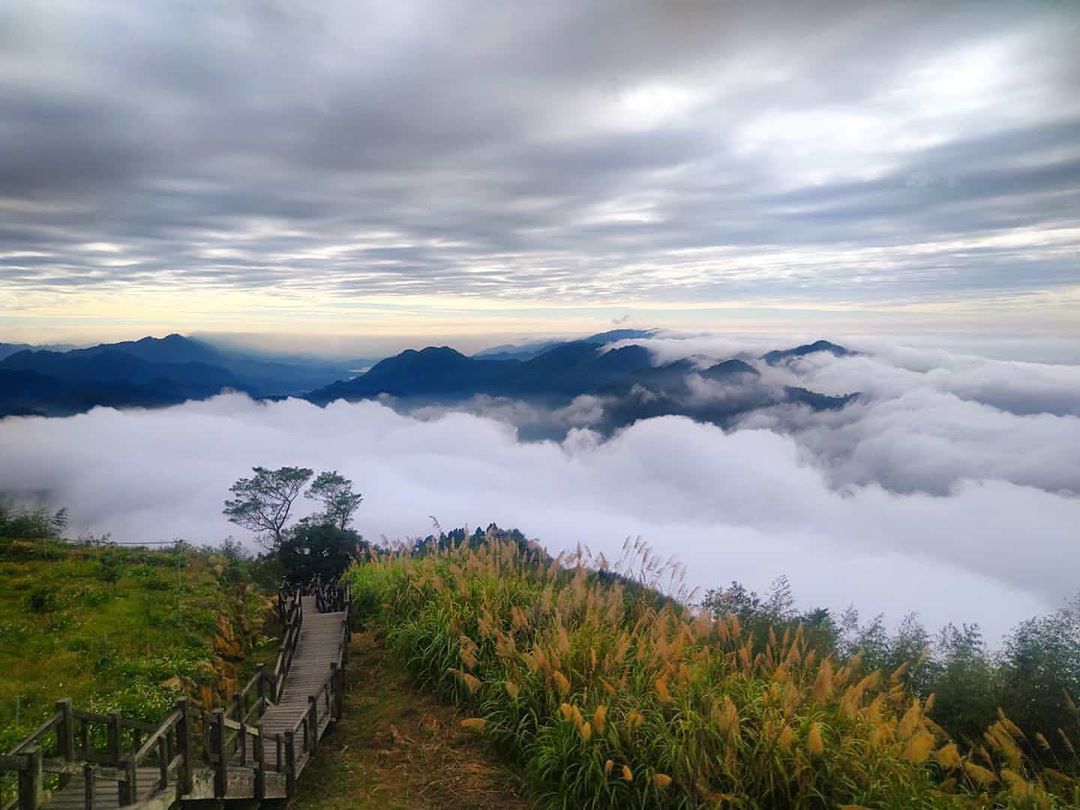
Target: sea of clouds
{"x":949,"y":487}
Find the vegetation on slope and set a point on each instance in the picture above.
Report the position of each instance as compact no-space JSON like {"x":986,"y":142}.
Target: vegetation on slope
{"x":122,"y":629}
{"x":610,"y":695}
{"x":1034,"y":677}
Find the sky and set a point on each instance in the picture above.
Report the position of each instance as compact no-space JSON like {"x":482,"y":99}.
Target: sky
{"x":949,"y":488}
{"x":448,"y":168}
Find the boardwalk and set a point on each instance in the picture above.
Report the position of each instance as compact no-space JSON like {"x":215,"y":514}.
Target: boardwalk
{"x":316,"y":650}
{"x":257,"y":749}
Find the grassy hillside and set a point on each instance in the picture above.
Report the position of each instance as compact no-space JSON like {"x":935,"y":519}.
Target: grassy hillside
{"x":116,"y":628}
{"x":607,"y":695}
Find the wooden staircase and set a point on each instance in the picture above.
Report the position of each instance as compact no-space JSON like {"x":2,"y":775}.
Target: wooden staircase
{"x":255,"y":750}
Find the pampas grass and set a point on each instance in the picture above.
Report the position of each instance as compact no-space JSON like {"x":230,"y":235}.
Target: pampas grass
{"x":611,"y":694}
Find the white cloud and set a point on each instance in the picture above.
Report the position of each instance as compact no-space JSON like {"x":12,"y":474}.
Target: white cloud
{"x":791,"y":493}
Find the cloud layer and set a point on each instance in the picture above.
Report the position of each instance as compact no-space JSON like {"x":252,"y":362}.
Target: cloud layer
{"x":354,"y":154}
{"x":917,"y":498}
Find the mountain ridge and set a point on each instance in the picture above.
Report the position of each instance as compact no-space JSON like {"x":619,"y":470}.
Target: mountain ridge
{"x":149,"y":372}
{"x":622,"y":376}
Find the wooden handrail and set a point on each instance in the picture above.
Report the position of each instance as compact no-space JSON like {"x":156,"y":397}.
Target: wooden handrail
{"x":104,"y":719}
{"x":292,"y":615}
{"x":151,"y":742}
{"x":35,"y":736}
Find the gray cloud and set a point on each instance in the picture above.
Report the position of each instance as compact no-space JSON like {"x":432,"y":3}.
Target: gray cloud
{"x":580,"y":151}
{"x":920,"y":497}
{"x":926,"y":420}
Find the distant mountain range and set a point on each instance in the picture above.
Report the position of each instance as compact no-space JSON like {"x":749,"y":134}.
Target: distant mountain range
{"x":150,"y":372}
{"x":623,"y":382}
{"x":8,"y":349}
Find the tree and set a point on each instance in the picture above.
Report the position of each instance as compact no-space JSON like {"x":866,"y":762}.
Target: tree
{"x":775,"y":611}
{"x":338,"y":499}
{"x":313,"y":548}
{"x":110,"y":568}
{"x":735,"y":599}
{"x":1040,"y":674}
{"x":263,"y":502}
{"x":964,"y":682}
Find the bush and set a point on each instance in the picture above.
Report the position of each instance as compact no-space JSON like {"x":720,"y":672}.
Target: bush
{"x":41,"y":600}
{"x":111,"y":567}
{"x":317,"y":549}
{"x":31,"y":524}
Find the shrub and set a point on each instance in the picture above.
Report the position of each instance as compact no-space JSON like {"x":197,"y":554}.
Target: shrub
{"x":312,"y":549}
{"x":41,"y":600}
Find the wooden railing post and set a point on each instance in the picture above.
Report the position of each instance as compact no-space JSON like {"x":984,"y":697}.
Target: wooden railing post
{"x":260,"y":765}
{"x":163,"y":763}
{"x":65,"y":736}
{"x":335,"y":687}
{"x":183,"y":746}
{"x":290,"y":764}
{"x":30,"y":780}
{"x":279,"y":751}
{"x":221,"y":763}
{"x":89,"y":787}
{"x":113,"y":736}
{"x":129,"y":786}
{"x":243,"y":743}
{"x":313,"y":720}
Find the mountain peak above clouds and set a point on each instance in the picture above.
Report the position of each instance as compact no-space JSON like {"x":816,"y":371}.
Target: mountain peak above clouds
{"x":780,"y":355}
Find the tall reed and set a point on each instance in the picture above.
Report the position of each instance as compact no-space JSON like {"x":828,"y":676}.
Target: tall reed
{"x":610,"y":694}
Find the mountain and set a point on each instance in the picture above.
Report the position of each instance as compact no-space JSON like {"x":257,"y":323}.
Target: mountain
{"x":111,"y":365}
{"x":527,"y":351}
{"x":564,"y":370}
{"x":432,"y":371}
{"x":729,"y":368}
{"x":258,"y":375}
{"x":169,"y":349}
{"x":624,"y":382}
{"x":150,"y":372}
{"x":511,"y":351}
{"x":575,"y":368}
{"x":774,"y":357}
{"x":8,"y":349}
{"x":568,"y":369}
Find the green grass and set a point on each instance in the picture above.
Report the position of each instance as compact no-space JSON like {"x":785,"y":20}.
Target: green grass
{"x":67,"y":631}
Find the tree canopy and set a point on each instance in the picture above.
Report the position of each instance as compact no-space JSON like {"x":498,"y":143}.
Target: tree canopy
{"x":321,"y":544}
{"x":337,"y":496}
{"x":263,"y":501}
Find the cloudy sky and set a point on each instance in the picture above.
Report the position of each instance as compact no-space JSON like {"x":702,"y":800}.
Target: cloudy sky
{"x":451,"y":167}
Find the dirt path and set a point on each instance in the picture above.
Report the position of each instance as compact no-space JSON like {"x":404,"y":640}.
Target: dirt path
{"x":400,"y":749}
